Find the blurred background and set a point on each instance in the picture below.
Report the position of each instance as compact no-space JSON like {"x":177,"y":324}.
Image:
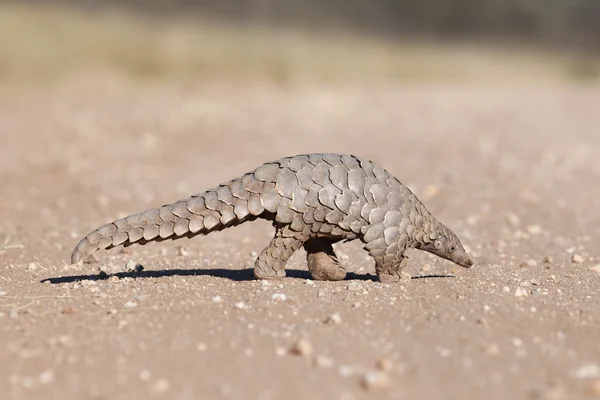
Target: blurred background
{"x":290,"y":41}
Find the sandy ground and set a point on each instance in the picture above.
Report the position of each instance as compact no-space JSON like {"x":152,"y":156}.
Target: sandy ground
{"x":514,"y":171}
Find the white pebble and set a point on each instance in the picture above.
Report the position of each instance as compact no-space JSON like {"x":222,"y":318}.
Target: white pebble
{"x":201,"y":346}
{"x":323,"y":362}
{"x":532,"y":263}
{"x":534,"y":229}
{"x":144,"y":375}
{"x":302,"y":347}
{"x":240,"y":305}
{"x":384,"y":364}
{"x":587,"y":371}
{"x":513,"y":220}
{"x":132,"y":266}
{"x":521,"y":292}
{"x":162,"y":385}
{"x":130,"y":304}
{"x":345,"y":371}
{"x":217,"y":299}
{"x":46,"y":376}
{"x":280,"y":351}
{"x":279,"y":297}
{"x":376,"y":380}
{"x":333,"y":319}
{"x":577,"y":259}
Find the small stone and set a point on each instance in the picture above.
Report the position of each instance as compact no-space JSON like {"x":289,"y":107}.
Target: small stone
{"x":358,"y":304}
{"x":532,"y":263}
{"x":68,"y":310}
{"x":354,"y":286}
{"x":595,"y":268}
{"x":577,"y":259}
{"x":333,"y":319}
{"x":130,"y":304}
{"x":472,"y":220}
{"x":144,"y":375}
{"x":534,"y":229}
{"x":426,"y":268}
{"x":431,"y":190}
{"x":46,"y":377}
{"x":240,"y":305}
{"x":309,"y":282}
{"x":201,"y":346}
{"x":323,"y":362}
{"x":279,"y":297}
{"x":280,"y":351}
{"x":521,"y":292}
{"x":384,"y":364}
{"x":513,"y":219}
{"x":376,"y":380}
{"x":594,"y":388}
{"x":162,"y":385}
{"x":265,"y":283}
{"x":587,"y":371}
{"x":32,"y":266}
{"x":132,"y":266}
{"x":548,"y":260}
{"x":183,"y":251}
{"x":217,"y":299}
{"x":443,"y":352}
{"x":505,"y":289}
{"x":345,"y":371}
{"x":302,"y":347}
{"x":492,"y":349}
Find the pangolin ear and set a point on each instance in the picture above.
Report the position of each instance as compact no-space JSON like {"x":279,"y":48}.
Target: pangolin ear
{"x":437,"y":244}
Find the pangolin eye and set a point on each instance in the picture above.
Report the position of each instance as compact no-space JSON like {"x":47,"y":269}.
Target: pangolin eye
{"x":452,"y":248}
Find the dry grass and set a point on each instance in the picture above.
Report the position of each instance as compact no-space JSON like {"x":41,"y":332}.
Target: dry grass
{"x":49,"y":44}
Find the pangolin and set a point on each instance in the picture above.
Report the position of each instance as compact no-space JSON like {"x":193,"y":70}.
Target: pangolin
{"x":313,"y":201}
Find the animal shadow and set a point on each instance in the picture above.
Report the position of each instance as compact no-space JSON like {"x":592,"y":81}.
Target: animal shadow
{"x":240,"y":275}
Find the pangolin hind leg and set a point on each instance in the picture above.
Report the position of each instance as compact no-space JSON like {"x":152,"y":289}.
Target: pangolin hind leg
{"x":322,"y":261}
{"x":270,"y":263}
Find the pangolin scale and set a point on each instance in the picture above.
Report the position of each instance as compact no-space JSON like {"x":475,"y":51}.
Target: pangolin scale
{"x":313,"y":201}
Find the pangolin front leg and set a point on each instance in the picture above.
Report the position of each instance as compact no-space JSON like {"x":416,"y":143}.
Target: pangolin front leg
{"x":392,"y":271}
{"x":322,"y":261}
{"x":271,"y":262}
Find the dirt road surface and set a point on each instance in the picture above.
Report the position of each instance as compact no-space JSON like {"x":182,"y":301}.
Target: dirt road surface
{"x":514,"y":171}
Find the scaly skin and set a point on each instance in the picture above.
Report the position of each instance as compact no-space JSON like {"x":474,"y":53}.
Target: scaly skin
{"x":313,"y":200}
